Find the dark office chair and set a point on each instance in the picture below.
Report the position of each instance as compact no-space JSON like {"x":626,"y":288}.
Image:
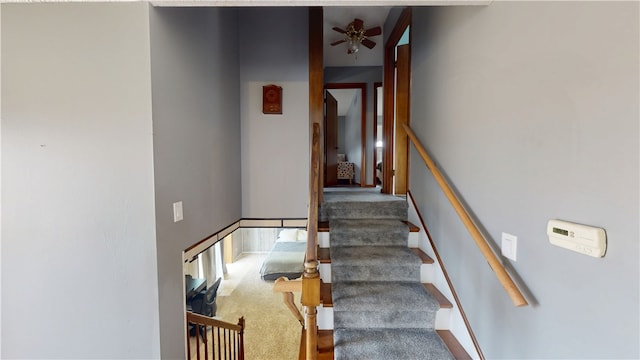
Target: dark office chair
{"x":205,"y":303}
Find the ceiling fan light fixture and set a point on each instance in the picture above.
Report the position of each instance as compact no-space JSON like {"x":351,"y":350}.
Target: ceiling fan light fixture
{"x":354,"y":37}
{"x":355,"y":34}
{"x":354,"y":46}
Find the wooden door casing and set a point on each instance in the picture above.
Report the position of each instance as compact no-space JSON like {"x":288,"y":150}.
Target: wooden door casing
{"x":402,"y":117}
{"x":331,"y":140}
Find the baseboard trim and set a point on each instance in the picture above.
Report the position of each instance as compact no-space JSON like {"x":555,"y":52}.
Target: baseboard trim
{"x":456,"y":299}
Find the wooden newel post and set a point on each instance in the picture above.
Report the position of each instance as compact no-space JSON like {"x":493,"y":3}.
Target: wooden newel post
{"x":311,"y":300}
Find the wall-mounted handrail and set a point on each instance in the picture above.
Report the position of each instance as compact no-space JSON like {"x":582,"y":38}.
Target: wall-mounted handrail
{"x":502,"y":275}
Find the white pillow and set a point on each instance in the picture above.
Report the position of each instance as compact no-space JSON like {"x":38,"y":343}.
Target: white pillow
{"x":288,"y":235}
{"x":302,"y":235}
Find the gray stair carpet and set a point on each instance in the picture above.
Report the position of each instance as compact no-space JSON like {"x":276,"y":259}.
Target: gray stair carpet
{"x":380,"y":308}
{"x":362,"y":205}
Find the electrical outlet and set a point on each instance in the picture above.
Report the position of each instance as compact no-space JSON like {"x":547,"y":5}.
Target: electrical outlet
{"x":509,"y":246}
{"x":177,"y":211}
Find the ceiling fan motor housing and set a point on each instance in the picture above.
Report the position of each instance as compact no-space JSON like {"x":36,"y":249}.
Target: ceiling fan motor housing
{"x":356,"y":35}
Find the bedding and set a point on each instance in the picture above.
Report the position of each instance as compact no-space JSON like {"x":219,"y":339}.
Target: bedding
{"x":286,"y":258}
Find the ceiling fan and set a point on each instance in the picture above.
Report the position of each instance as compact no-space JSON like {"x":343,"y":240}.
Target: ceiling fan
{"x":356,"y":35}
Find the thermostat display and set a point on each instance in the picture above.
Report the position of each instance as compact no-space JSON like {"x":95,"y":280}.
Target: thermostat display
{"x":561,"y":231}
{"x":584,"y":239}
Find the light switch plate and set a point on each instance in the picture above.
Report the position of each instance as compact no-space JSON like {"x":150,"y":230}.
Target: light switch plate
{"x":509,"y":246}
{"x":177,"y":211}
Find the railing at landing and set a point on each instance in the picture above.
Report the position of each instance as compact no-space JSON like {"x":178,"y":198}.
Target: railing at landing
{"x":214,"y":339}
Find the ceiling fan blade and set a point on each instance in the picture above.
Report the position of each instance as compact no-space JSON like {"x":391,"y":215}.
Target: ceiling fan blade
{"x":339,"y":30}
{"x":373,"y":31}
{"x":358,"y":24}
{"x":368,"y":43}
{"x":338,"y":42}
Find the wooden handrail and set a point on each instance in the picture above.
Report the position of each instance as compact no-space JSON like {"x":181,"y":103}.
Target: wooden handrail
{"x":209,"y":321}
{"x":287,"y":288}
{"x":502,"y":275}
{"x":227,"y":340}
{"x":314,"y":174}
{"x":311,"y":277}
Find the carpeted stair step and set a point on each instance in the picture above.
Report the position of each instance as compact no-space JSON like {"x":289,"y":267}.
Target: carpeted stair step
{"x":389,"y":344}
{"x":362,"y":205}
{"x":324,"y":255}
{"x":383,"y":305}
{"x":374,"y":263}
{"x":325,"y":345}
{"x":323,"y":226}
{"x":380,"y":308}
{"x":369,"y":232}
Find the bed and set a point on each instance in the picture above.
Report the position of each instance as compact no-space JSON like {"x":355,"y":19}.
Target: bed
{"x":286,"y":257}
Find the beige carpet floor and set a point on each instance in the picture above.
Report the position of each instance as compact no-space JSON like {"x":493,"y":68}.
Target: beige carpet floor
{"x":271,"y":331}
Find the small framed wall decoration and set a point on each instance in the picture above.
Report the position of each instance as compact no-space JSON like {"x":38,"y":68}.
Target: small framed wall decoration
{"x":272,"y":99}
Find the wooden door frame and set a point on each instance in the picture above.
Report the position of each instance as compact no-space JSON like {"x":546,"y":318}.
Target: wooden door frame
{"x":402,"y":118}
{"x":363,"y":122}
{"x":330,"y":140}
{"x":376,"y":86}
{"x":388,"y":124}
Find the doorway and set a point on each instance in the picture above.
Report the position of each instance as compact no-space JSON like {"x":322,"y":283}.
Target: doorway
{"x":396,"y":108}
{"x":345,"y":134}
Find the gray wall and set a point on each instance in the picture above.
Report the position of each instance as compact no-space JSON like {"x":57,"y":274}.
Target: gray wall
{"x":531,"y":109}
{"x":362,"y":74}
{"x":78,"y":236}
{"x":275,"y":148}
{"x":341,"y":146}
{"x":196,"y":124}
{"x":353,"y":134}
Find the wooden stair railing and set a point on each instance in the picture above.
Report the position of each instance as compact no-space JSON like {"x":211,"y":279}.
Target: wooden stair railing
{"x":227,"y":340}
{"x":502,"y":275}
{"x":287,"y":288}
{"x":311,"y":277}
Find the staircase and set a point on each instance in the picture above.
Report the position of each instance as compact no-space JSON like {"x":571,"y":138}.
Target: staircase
{"x":381,"y":309}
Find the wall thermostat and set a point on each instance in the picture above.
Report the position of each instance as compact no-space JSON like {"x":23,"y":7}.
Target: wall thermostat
{"x":580,"y":238}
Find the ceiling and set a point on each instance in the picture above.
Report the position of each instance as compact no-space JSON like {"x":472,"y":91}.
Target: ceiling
{"x":341,"y":16}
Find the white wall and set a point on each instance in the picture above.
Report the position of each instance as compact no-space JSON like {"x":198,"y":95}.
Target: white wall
{"x":275,"y":148}
{"x":196,"y":125}
{"x":78,"y":236}
{"x":531,"y":109}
